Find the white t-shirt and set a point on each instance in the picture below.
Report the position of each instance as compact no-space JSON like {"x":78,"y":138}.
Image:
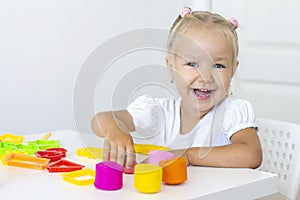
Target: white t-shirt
{"x":157,"y":121}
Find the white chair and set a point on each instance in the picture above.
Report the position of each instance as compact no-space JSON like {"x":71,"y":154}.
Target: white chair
{"x":281,"y":154}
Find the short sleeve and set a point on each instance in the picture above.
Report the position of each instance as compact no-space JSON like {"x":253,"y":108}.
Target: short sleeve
{"x":148,"y":116}
{"x":239,"y":115}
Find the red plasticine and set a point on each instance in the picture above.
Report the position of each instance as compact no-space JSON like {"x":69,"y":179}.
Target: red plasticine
{"x":131,"y":169}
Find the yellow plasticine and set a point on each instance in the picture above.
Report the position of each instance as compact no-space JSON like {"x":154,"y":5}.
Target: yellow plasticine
{"x":147,"y":178}
{"x":80,"y":177}
{"x":9,"y":137}
{"x":146,"y":148}
{"x":90,"y":152}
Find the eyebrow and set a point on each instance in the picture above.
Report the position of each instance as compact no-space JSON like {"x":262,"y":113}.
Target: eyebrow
{"x":222,"y":57}
{"x":189,"y":56}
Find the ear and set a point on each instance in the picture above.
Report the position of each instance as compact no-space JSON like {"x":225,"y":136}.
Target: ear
{"x":169,"y":63}
{"x":235,"y":66}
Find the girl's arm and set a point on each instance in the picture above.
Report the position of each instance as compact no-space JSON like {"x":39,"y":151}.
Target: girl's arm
{"x":245,"y":151}
{"x":115,"y":127}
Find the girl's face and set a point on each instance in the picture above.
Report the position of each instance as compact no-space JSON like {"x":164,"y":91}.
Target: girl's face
{"x":202,"y":68}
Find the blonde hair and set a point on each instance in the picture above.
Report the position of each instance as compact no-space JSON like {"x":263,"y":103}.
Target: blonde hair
{"x":207,"y":20}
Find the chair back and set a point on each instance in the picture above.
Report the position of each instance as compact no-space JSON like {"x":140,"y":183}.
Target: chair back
{"x":281,"y":153}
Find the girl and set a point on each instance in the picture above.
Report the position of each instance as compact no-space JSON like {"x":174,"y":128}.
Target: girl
{"x":206,"y":125}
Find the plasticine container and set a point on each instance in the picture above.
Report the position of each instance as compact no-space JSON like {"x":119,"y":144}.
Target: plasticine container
{"x":109,"y":176}
{"x":147,"y":178}
{"x":155,"y":156}
{"x":174,"y":170}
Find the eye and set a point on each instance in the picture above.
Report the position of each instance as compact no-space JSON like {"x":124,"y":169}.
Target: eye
{"x":192,"y":64}
{"x":218,"y":66}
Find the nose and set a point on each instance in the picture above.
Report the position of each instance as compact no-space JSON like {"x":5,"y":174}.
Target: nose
{"x":204,"y":74}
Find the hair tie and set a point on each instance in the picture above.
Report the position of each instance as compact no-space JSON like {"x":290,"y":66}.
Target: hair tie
{"x":185,"y":11}
{"x":234,"y":22}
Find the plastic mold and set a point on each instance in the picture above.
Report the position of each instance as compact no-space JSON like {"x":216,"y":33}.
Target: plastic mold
{"x":46,"y":136}
{"x":30,"y":148}
{"x":62,"y":150}
{"x":26,"y":161}
{"x":80,"y":177}
{"x":90,"y":152}
{"x":45,"y":144}
{"x":52,"y":155}
{"x":6,"y":146}
{"x":9,"y":137}
{"x":146,"y":148}
{"x":64,"y":166}
{"x":17,"y":151}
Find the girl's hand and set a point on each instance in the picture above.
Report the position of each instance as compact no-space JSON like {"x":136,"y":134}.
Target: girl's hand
{"x":119,"y":147}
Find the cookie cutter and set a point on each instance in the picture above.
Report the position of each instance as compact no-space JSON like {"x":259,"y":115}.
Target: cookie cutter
{"x":64,"y":166}
{"x":26,"y":161}
{"x":16,"y":151}
{"x":54,"y":154}
{"x":29,"y":148}
{"x":146,"y":148}
{"x":45,"y":144}
{"x":80,"y":177}
{"x":6,"y":146}
{"x":90,"y":152}
{"x":9,"y":137}
{"x":59,"y":149}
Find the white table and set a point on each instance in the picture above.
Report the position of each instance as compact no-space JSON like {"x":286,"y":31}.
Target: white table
{"x":203,"y":182}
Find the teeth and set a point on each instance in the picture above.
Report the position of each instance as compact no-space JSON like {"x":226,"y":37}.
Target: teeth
{"x":203,"y":90}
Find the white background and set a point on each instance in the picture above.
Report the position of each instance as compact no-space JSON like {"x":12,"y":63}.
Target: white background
{"x":43,"y":45}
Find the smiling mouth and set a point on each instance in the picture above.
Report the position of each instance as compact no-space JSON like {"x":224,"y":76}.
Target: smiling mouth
{"x":202,"y":93}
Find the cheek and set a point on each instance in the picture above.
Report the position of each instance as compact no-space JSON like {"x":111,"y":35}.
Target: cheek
{"x":223,"y":80}
{"x":185,"y":77}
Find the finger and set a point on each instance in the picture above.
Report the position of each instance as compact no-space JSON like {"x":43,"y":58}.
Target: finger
{"x":121,"y":156}
{"x":130,"y":157}
{"x":145,"y":161}
{"x":113,"y":153}
{"x":106,"y":150}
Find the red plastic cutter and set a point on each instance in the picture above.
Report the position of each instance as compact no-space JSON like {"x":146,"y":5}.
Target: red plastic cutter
{"x":64,"y":166}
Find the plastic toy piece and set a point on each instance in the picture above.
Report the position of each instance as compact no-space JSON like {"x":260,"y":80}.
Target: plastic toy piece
{"x":6,"y":146}
{"x":45,"y":144}
{"x":17,"y":151}
{"x":9,"y":137}
{"x":46,"y":136}
{"x":26,"y":161}
{"x":62,"y":150}
{"x":90,"y":152}
{"x":76,"y":177}
{"x":146,"y":148}
{"x":64,"y":166}
{"x":52,"y":155}
{"x":30,"y":148}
